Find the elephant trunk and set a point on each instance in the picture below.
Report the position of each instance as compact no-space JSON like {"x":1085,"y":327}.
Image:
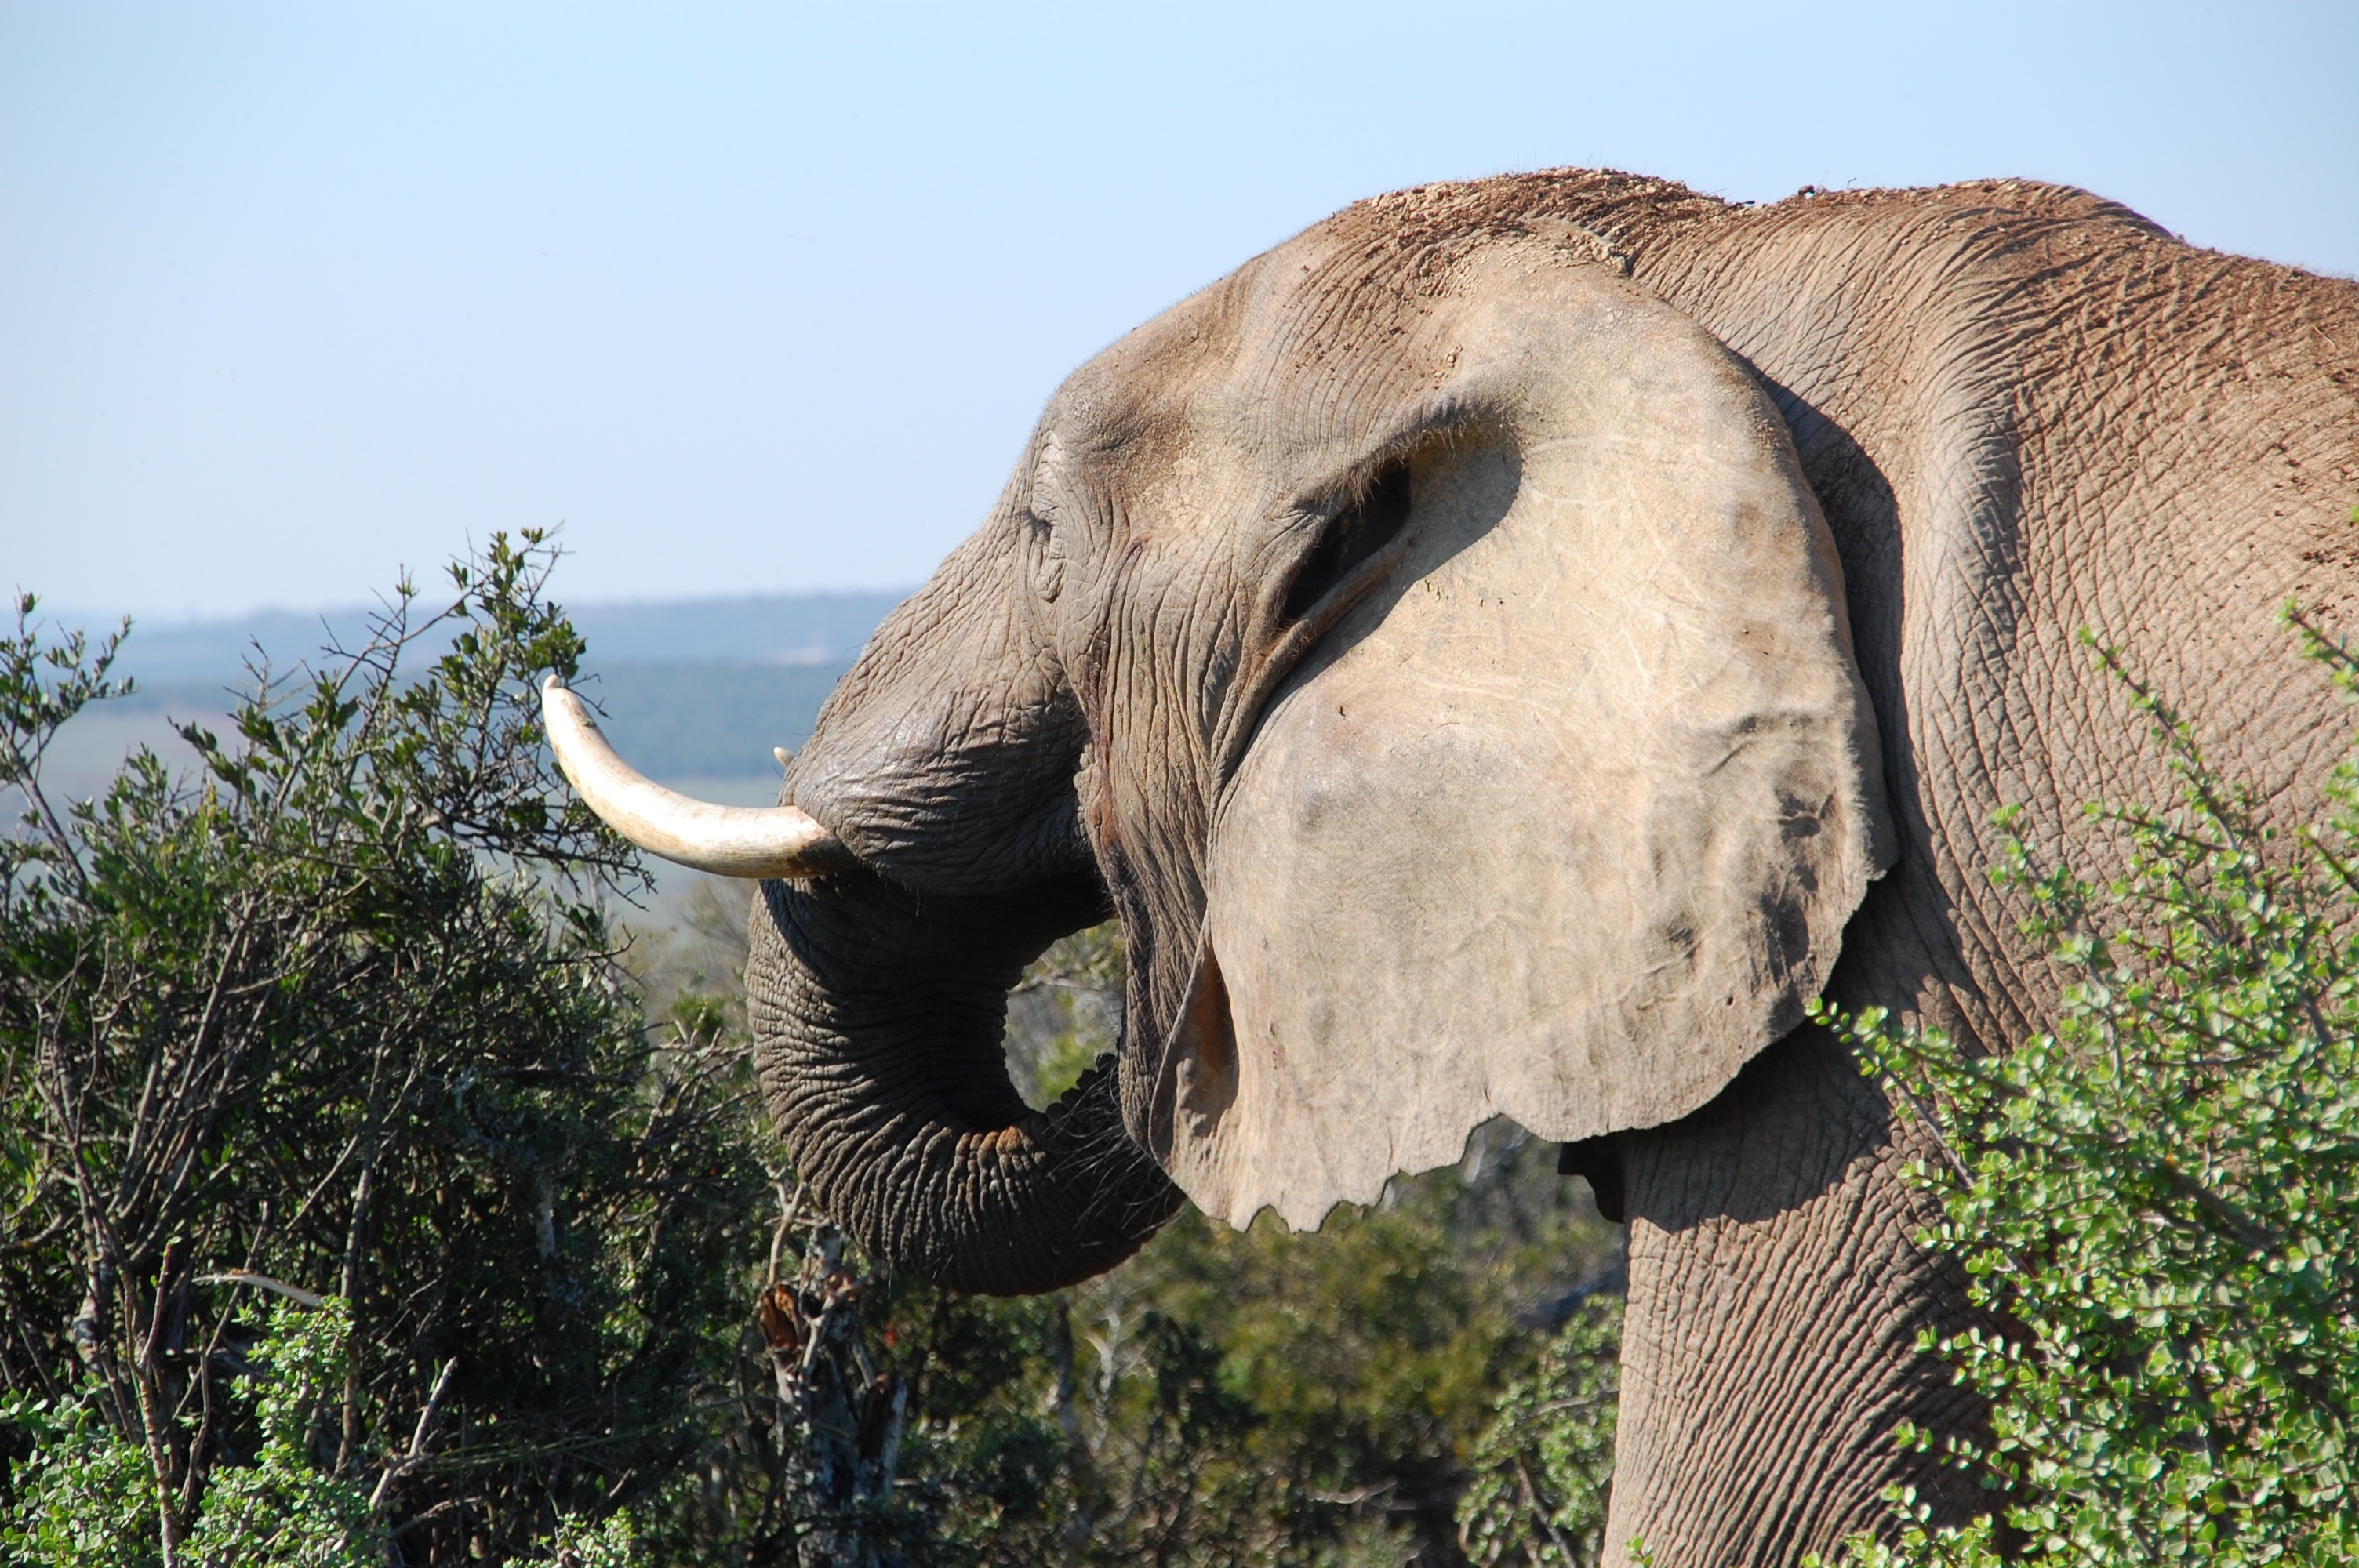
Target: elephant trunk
{"x":877,"y":1017}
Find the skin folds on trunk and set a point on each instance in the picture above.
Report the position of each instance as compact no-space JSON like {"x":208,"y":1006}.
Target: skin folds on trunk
{"x":877,"y":1016}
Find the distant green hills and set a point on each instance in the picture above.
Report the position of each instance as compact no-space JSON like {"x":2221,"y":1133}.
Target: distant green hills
{"x":693,"y":693}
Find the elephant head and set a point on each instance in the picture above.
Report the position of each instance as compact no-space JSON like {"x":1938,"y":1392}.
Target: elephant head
{"x":1426,"y":642}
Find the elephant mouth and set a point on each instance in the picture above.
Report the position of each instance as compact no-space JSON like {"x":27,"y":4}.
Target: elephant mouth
{"x":879,"y":1013}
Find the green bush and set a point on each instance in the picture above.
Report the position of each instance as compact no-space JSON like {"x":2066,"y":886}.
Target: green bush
{"x":84,"y":1493}
{"x":347,"y":1012}
{"x":2158,"y":1202}
{"x":1542,"y":1470}
{"x":87,"y":1497}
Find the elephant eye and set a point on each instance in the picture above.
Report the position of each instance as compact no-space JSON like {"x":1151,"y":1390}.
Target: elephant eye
{"x":1048,"y":562}
{"x":1350,"y":538}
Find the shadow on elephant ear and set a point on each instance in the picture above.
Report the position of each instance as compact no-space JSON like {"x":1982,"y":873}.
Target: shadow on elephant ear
{"x":1362,"y":569}
{"x":1905,"y":934}
{"x":1783,"y":1132}
{"x":1797,"y":1123}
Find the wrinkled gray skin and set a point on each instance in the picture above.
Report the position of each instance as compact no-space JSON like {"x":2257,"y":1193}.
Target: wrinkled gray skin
{"x":2022,"y":411}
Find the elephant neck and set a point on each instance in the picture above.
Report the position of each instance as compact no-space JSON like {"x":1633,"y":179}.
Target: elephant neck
{"x":1768,"y":1346}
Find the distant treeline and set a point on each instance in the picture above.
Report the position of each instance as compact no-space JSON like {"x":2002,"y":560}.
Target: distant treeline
{"x":764,"y":628}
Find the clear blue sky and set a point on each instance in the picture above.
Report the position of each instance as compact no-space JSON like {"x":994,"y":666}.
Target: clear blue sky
{"x":766,"y":297}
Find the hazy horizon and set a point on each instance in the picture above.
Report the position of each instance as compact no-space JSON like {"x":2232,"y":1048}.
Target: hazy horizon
{"x":94,"y":618}
{"x":774,"y":629}
{"x":695,"y":692}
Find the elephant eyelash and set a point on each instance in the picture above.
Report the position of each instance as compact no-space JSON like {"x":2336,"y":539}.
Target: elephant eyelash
{"x":1349,"y":539}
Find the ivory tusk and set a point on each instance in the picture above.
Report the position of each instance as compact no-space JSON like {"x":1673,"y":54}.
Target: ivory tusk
{"x":727,"y":841}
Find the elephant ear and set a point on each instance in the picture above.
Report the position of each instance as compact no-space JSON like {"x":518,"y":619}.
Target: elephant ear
{"x":1564,"y":818}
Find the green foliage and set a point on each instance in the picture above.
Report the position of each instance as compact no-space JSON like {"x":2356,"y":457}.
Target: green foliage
{"x":283,"y":1509}
{"x":608,"y":1544}
{"x":1543,"y":1469}
{"x":87,"y":1498}
{"x":84,"y":1493}
{"x":348,"y":1013}
{"x":2159,"y":1201}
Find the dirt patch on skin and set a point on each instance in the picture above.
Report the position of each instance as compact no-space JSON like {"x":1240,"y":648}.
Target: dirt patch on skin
{"x":1418,"y":234}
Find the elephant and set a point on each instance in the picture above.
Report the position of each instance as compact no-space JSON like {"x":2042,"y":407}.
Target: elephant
{"x":1506,"y":651}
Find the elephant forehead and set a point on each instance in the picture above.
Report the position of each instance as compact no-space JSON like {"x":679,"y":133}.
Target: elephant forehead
{"x":1147,"y":386}
{"x":1297,"y":350}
